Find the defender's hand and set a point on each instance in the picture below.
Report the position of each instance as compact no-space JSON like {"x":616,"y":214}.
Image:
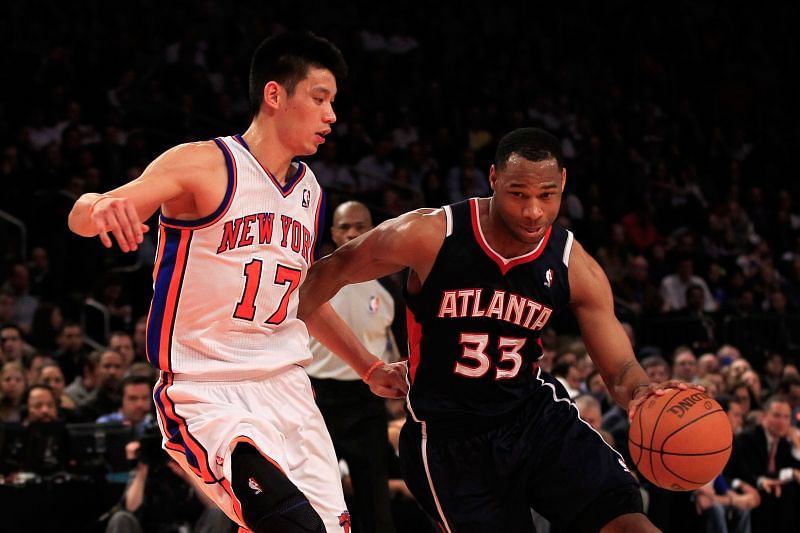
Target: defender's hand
{"x":118,"y":216}
{"x":388,"y":380}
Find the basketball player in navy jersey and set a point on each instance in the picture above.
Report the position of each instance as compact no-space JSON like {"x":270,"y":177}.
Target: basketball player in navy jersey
{"x":488,"y":435}
{"x":239,"y":220}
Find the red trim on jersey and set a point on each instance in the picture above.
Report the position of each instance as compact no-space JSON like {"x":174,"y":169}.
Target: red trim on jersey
{"x":162,"y":238}
{"x":171,"y":306}
{"x":204,"y":471}
{"x":237,"y":506}
{"x":502,"y":263}
{"x":414,"y":341}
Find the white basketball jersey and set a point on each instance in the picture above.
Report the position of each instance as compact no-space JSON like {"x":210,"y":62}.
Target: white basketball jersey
{"x":225,"y":287}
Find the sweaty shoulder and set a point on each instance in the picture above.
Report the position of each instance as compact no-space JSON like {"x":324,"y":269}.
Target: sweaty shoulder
{"x":198,"y":168}
{"x":422,"y":233}
{"x":587,"y":280}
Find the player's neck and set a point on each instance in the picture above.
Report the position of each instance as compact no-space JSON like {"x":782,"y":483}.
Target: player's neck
{"x":497,"y":235}
{"x":266,"y":147}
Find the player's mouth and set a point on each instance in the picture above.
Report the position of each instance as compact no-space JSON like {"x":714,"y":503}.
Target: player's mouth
{"x":320,"y":136}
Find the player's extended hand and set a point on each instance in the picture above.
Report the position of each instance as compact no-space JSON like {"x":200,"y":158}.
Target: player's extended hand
{"x":642,"y":393}
{"x":119,"y":217}
{"x":389,"y":380}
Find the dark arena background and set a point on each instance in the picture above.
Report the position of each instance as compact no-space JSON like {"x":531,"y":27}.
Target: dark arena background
{"x":680,"y":129}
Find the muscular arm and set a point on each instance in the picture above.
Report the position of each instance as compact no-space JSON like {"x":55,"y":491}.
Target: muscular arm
{"x":186,"y":179}
{"x":606,"y":341}
{"x":410,"y":240}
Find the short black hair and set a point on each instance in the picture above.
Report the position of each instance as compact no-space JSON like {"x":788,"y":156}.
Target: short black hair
{"x":134,"y":379}
{"x":286,"y":58}
{"x":534,"y":144}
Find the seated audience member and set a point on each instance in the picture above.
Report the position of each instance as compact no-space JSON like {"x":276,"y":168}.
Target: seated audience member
{"x":42,"y":445}
{"x":137,"y":402}
{"x":106,"y":395}
{"x":12,"y":389}
{"x":160,"y":496}
{"x":767,"y":457}
{"x":122,"y":343}
{"x":52,"y":376}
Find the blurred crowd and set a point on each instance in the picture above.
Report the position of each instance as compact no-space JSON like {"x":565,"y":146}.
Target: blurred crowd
{"x":678,"y":126}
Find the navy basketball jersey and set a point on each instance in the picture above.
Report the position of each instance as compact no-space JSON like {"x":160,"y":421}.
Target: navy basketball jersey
{"x":475,"y":325}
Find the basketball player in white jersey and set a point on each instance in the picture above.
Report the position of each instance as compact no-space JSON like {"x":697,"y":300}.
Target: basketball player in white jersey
{"x":238,"y":225}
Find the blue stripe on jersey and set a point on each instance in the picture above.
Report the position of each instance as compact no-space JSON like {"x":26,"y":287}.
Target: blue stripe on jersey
{"x":172,"y":427}
{"x":225,"y":201}
{"x":158,"y":307}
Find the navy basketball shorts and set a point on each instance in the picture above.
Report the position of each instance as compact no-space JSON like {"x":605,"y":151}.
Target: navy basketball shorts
{"x":545,"y":458}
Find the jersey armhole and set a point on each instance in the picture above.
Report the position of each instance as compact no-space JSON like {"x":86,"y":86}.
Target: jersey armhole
{"x":448,"y":216}
{"x":230,"y":166}
{"x":568,"y":248}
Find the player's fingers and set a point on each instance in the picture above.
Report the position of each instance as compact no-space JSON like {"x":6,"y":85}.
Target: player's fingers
{"x":127,"y":225}
{"x":136,"y":224}
{"x":116,"y":231}
{"x":103,"y":232}
{"x":105,"y":239}
{"x":144,"y":228}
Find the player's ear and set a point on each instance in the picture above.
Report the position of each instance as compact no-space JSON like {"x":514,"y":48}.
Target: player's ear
{"x":492,"y":177}
{"x":272,"y":93}
{"x":563,"y":178}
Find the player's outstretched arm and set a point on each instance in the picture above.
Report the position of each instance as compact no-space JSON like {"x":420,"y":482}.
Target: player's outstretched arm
{"x":178,"y":172}
{"x":410,"y":240}
{"x":606,"y":341}
{"x":384,"y":379}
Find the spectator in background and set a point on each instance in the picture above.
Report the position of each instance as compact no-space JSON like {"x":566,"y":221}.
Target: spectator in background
{"x":52,"y":376}
{"x":773,"y":372}
{"x":684,"y":364}
{"x":636,"y":293}
{"x":465,"y":180}
{"x":82,"y":387}
{"x":673,"y":287}
{"x":707,"y":364}
{"x":43,"y":445}
{"x":768,"y":457}
{"x":122,"y":343}
{"x":47,"y":322}
{"x":18,"y":283}
{"x":72,"y":352}
{"x":106,"y":395}
{"x":12,"y":389}
{"x":161,"y":498}
{"x":137,"y":402}
{"x":140,"y":339}
{"x":12,"y":346}
{"x":790,"y":388}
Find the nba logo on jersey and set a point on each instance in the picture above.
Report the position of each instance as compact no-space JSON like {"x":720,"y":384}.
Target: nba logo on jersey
{"x":306,"y":198}
{"x":374,"y":304}
{"x":548,"y":278}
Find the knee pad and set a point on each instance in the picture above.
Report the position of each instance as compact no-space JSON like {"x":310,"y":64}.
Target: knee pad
{"x":270,"y":502}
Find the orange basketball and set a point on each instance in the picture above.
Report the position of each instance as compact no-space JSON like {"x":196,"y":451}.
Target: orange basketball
{"x":681,"y":440}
